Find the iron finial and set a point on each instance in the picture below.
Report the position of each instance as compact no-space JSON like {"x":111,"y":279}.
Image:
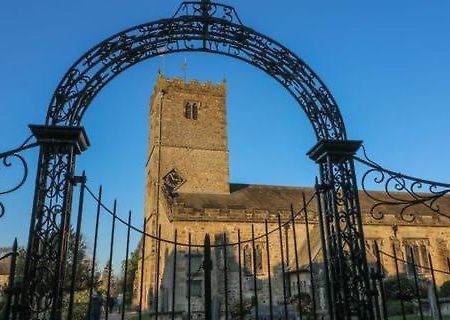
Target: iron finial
{"x":205,"y":6}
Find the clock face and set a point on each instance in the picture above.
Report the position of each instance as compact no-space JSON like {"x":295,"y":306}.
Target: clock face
{"x":173,"y":180}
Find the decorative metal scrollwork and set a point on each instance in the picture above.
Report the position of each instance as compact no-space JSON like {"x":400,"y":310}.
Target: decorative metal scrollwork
{"x":403,"y":192}
{"x":7,"y":159}
{"x":206,"y":8}
{"x":196,"y":27}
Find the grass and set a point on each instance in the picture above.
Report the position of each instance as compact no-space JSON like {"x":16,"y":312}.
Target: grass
{"x":416,"y":317}
{"x":136,"y":317}
{"x":408,"y":317}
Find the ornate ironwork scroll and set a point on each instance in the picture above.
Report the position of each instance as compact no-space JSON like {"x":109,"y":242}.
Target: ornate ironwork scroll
{"x":47,"y":243}
{"x":7,"y":159}
{"x":404,"y":195}
{"x":196,"y":27}
{"x":342,"y":229}
{"x":206,"y":27}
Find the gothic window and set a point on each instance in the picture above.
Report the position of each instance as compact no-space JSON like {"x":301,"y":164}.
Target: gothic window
{"x":371,"y":250}
{"x":191,"y":110}
{"x":188,"y":110}
{"x":251,"y":262}
{"x":194,"y":111}
{"x":408,"y":260}
{"x":419,"y":249}
{"x":248,"y":259}
{"x":424,"y":254}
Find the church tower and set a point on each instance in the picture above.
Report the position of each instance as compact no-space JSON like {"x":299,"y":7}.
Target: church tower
{"x":187,"y":154}
{"x":188,"y":195}
{"x":188,"y":147}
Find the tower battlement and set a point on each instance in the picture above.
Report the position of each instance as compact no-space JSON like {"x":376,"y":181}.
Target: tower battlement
{"x":188,"y":139}
{"x":181,"y":85}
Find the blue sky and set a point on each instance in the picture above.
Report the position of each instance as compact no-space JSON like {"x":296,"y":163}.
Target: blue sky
{"x":386,"y":63}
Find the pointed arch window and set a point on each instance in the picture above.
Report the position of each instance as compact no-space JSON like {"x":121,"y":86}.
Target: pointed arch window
{"x":253,"y":260}
{"x":247,"y":260}
{"x":419,"y":248}
{"x":191,"y":110}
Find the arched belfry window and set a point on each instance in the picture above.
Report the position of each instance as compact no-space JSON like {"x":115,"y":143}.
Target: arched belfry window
{"x":187,"y":110}
{"x":194,"y":111}
{"x":191,"y":110}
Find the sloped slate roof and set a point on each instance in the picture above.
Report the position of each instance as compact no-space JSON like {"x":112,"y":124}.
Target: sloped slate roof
{"x":279,"y":198}
{"x":247,"y":196}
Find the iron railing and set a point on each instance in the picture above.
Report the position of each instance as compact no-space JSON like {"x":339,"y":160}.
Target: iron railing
{"x":207,"y":249}
{"x":403,"y":279}
{"x":410,"y":288}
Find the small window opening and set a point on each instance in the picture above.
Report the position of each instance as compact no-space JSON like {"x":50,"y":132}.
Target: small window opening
{"x":191,"y":110}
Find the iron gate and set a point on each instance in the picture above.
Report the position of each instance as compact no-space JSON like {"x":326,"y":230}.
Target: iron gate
{"x":350,"y":291}
{"x":276,"y":273}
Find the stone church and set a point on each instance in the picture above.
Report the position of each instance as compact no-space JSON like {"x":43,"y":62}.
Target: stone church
{"x":188,"y":192}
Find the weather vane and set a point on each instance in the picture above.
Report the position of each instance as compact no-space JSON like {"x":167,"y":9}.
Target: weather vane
{"x":184,"y":67}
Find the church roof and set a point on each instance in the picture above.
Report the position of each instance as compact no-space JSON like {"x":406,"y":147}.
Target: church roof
{"x":247,"y":196}
{"x":255,"y":202}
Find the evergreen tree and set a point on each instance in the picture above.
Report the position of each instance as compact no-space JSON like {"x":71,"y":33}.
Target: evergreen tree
{"x":83,"y":263}
{"x":132,"y":269}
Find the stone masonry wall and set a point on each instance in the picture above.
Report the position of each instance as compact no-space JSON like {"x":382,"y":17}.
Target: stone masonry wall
{"x":198,"y":150}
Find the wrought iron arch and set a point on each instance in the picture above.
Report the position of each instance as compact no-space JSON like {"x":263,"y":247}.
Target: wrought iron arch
{"x":212,"y":28}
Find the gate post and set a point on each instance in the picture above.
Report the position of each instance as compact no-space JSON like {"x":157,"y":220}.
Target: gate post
{"x":43,"y":283}
{"x":207,"y":267}
{"x":342,"y":223}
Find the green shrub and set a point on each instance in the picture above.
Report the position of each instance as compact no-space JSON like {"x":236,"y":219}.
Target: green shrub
{"x":80,"y":304}
{"x":305,"y":305}
{"x":246,"y":307}
{"x":444,"y":290}
{"x":394,"y":307}
{"x":407,"y":291}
